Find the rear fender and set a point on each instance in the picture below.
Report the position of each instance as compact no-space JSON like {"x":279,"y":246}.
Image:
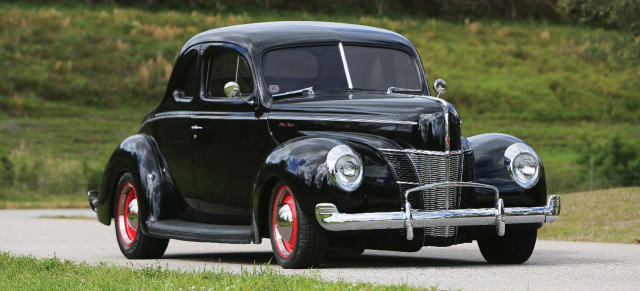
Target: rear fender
{"x":137,"y":155}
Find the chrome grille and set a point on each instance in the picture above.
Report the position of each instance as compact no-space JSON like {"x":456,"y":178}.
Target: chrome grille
{"x":414,"y":168}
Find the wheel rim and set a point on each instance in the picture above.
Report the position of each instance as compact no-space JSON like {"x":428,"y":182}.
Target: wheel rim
{"x":128,"y":214}
{"x":284,"y":221}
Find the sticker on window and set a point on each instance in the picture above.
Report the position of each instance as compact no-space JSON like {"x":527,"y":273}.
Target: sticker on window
{"x":274,"y":89}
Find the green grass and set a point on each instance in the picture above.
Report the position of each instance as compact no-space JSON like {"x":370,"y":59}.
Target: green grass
{"x":27,"y":273}
{"x":77,"y":81}
{"x":36,"y":201}
{"x":598,"y":216}
{"x":81,"y":217}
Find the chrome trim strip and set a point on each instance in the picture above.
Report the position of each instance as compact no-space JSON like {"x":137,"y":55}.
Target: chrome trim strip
{"x":163,"y":117}
{"x":344,"y":64}
{"x":445,"y":109}
{"x":224,"y":117}
{"x":212,"y":114}
{"x":202,"y":115}
{"x":341,"y":119}
{"x":408,"y":183}
{"x":173,"y":113}
{"x":425,"y":152}
{"x":236,"y":115}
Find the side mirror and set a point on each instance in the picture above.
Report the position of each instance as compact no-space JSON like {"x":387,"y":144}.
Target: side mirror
{"x":440,"y":85}
{"x":232,"y":89}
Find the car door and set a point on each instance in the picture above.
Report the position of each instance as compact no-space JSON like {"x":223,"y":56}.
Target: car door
{"x":226,"y":156}
{"x":171,"y":126}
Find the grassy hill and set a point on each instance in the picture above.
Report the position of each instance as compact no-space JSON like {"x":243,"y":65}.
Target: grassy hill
{"x":76,"y":81}
{"x":598,"y":216}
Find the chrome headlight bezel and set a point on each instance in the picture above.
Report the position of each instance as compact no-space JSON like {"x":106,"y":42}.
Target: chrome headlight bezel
{"x":338,"y":157}
{"x":521,"y":153}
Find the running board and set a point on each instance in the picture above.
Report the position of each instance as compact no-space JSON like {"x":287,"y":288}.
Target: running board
{"x":201,"y":232}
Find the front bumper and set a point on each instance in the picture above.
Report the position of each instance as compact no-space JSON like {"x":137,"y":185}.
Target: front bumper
{"x":331,"y":219}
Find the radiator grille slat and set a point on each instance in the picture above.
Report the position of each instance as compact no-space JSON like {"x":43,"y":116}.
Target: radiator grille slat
{"x":421,"y":168}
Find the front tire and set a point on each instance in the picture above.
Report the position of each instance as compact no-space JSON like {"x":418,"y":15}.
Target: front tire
{"x":515,"y":247}
{"x":296,"y":242}
{"x":132,"y":242}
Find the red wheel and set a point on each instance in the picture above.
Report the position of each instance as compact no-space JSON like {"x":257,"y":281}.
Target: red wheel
{"x":133,"y":243}
{"x":128,"y":214}
{"x":284,"y":221}
{"x":295,"y":240}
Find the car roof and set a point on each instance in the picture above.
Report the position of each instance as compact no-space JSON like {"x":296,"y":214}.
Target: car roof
{"x":258,"y":37}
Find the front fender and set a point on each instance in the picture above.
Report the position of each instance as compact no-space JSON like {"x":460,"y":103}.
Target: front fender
{"x":488,"y":150}
{"x":137,"y":155}
{"x":301,"y":164}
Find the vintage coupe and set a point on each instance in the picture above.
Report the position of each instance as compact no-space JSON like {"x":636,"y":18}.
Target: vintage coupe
{"x":324,"y":138}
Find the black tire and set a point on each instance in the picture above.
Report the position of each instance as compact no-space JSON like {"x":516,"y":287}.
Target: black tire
{"x":309,"y":246}
{"x":515,"y":247}
{"x":132,"y":242}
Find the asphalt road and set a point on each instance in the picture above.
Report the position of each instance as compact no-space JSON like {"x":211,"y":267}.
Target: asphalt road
{"x":553,"y":265}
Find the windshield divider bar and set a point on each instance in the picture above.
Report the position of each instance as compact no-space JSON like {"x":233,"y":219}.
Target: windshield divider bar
{"x":346,"y":67}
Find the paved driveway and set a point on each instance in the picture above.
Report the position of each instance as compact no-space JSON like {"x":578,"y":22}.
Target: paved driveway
{"x":553,"y":265}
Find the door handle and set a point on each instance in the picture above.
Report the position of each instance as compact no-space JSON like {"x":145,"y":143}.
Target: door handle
{"x":195,"y":127}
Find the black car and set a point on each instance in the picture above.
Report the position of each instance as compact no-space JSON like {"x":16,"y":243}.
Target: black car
{"x":324,"y":138}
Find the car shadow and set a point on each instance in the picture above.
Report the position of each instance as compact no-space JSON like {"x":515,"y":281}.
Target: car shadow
{"x":375,"y":260}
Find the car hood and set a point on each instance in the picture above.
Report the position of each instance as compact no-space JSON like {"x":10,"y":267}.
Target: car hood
{"x":408,"y":120}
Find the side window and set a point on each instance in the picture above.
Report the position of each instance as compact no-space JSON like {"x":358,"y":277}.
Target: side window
{"x":187,"y":85}
{"x":224,"y":66}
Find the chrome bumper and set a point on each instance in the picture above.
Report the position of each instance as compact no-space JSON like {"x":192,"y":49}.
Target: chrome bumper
{"x":331,"y":219}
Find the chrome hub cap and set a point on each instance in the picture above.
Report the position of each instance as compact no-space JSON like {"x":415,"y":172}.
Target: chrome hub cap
{"x":132,"y":214}
{"x":128,"y":214}
{"x":284,"y":221}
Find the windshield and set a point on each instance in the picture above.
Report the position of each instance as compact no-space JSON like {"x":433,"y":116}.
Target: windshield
{"x":323,"y":68}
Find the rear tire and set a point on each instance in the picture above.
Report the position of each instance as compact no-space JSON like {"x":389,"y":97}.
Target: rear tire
{"x":297,"y":243}
{"x":515,"y":247}
{"x":132,"y":242}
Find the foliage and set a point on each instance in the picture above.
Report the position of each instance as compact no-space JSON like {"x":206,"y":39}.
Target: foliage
{"x":621,"y":14}
{"x":25,"y":173}
{"x":28,"y":273}
{"x":616,"y":158}
{"x":450,"y":9}
{"x":117,"y":57}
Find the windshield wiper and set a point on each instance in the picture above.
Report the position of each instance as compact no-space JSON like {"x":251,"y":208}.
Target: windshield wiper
{"x":308,"y":90}
{"x":402,"y":90}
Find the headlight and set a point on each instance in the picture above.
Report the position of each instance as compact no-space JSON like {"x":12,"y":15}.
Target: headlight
{"x":345,"y":168}
{"x":523,"y":164}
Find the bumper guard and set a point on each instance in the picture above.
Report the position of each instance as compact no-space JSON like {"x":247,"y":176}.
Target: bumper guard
{"x":331,"y":219}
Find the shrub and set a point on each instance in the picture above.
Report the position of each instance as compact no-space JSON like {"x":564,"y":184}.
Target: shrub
{"x":613,"y":13}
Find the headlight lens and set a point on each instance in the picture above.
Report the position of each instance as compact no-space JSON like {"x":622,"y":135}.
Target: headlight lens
{"x":523,"y":164}
{"x":345,"y":167}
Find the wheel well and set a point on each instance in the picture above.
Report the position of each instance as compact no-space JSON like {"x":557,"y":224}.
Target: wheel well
{"x":263,"y":206}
